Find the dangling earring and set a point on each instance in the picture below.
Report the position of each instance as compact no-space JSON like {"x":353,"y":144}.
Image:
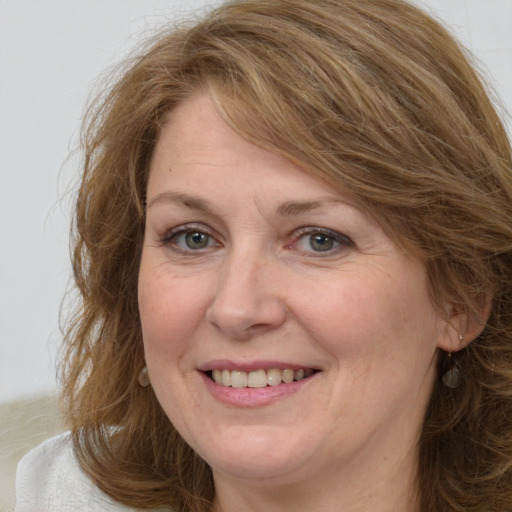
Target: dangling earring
{"x":144,"y":377}
{"x":452,"y":378}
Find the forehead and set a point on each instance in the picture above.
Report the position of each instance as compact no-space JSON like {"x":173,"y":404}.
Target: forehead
{"x":197,"y":148}
{"x":197,"y":145}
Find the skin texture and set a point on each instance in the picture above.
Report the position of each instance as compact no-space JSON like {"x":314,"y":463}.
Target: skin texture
{"x":257,"y":294}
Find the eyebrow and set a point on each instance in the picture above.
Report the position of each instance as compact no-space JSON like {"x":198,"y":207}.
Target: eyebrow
{"x":286,"y":209}
{"x":191,"y":202}
{"x":293,"y":208}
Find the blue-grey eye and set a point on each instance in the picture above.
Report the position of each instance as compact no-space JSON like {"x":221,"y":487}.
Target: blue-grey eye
{"x":319,"y":241}
{"x":192,"y":240}
{"x":196,"y":240}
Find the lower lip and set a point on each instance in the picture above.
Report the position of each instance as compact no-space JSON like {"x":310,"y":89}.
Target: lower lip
{"x":253,"y":397}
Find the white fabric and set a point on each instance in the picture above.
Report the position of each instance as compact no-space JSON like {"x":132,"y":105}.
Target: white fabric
{"x":49,"y":479}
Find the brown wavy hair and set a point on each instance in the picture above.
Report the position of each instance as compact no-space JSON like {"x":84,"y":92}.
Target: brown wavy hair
{"x":378,"y":99}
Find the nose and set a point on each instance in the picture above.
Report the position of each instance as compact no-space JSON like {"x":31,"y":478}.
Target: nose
{"x":247,"y":301}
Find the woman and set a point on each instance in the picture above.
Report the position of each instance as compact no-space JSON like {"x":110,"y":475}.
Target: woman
{"x":293,"y":249}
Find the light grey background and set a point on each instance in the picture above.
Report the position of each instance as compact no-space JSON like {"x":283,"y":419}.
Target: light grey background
{"x":51,"y":54}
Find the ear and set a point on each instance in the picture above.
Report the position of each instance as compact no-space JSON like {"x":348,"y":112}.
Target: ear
{"x":464,"y":325}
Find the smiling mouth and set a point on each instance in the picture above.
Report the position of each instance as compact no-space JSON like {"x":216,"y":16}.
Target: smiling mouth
{"x":259,"y":378}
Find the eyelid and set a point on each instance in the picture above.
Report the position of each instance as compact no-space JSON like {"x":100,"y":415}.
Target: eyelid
{"x":188,"y":226}
{"x":308,"y":230}
{"x":170,"y":234}
{"x":344,"y":241}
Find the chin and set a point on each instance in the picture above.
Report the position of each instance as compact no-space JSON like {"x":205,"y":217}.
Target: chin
{"x":260,"y":469}
{"x":256,"y":453}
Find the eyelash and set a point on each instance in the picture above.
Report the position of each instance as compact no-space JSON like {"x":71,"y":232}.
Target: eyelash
{"x":169,"y":239}
{"x":339,"y":241}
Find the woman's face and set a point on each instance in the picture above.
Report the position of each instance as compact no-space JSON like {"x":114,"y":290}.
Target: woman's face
{"x":285,"y":334}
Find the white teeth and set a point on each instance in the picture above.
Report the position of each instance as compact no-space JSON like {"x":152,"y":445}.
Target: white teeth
{"x":259,"y":378}
{"x":217,"y":376}
{"x":287,"y":376}
{"x":274,"y":377}
{"x":226,"y":378}
{"x":239,"y":379}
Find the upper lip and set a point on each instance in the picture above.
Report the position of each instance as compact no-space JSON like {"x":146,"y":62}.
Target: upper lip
{"x":226,"y":364}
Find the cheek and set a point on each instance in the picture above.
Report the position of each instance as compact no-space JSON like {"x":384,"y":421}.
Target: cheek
{"x":373,"y":319}
{"x":170,"y":313}
{"x":169,"y":310}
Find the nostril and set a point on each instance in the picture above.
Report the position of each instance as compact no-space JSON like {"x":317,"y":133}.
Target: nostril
{"x":247,"y":307}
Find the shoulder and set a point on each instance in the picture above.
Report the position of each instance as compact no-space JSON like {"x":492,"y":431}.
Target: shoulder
{"x":49,"y":478}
